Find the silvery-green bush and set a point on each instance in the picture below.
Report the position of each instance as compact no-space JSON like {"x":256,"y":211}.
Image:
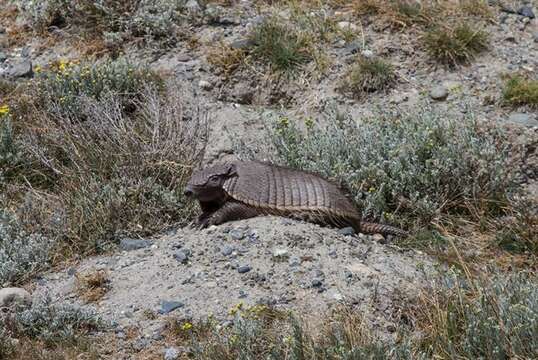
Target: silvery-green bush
{"x":54,"y":323}
{"x":21,"y":254}
{"x":404,"y":167}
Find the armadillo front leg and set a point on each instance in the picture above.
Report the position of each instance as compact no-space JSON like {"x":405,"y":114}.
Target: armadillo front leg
{"x":232,"y":211}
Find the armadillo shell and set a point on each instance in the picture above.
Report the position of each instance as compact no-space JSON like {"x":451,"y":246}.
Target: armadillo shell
{"x":279,"y":190}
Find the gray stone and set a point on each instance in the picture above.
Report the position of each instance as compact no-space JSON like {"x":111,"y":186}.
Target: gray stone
{"x":193,"y":6}
{"x":439,"y":93}
{"x":169,"y":306}
{"x":347,"y":231}
{"x":171,"y":354}
{"x":71,"y":271}
{"x":367,"y":54}
{"x":535,"y":36}
{"x":294,"y":261}
{"x":526,"y":11}
{"x":280,"y":253}
{"x":20,"y":69}
{"x":317,"y":283}
{"x":353,"y":47}
{"x":3,"y":56}
{"x":128,"y":244}
{"x":14,"y":296}
{"x":237,"y":234}
{"x":227,"y":250}
{"x":522,"y":119}
{"x":346,"y":26}
{"x":242,"y":44}
{"x":182,"y":256}
{"x":243,"y":269}
{"x":204,"y":84}
{"x":141,"y":344}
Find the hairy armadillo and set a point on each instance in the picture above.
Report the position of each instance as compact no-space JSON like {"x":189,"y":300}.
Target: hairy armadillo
{"x":244,"y":189}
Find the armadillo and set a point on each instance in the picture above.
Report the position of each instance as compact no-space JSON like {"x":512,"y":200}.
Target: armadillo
{"x":244,"y":189}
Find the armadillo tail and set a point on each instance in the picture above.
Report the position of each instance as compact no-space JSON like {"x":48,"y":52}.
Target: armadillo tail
{"x":373,"y":228}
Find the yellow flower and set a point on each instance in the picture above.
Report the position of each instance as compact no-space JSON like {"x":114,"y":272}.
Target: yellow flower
{"x":37,"y":69}
{"x":4,"y":110}
{"x":371,"y":190}
{"x":187,"y":326}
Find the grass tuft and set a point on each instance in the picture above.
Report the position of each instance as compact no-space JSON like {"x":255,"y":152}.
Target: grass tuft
{"x":519,"y":90}
{"x":454,"y":45}
{"x":369,"y":75}
{"x":92,"y":285}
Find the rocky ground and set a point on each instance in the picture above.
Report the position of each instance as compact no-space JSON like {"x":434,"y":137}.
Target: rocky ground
{"x":192,"y":273}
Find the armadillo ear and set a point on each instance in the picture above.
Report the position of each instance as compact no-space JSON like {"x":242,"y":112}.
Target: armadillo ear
{"x":232,"y":170}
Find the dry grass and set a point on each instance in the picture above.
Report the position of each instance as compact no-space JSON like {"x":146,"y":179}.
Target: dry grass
{"x":225,"y":58}
{"x":369,"y":75}
{"x":92,"y":285}
{"x":454,"y":45}
{"x":520,"y":90}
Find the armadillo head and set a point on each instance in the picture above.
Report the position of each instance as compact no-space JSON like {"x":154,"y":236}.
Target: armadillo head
{"x":206,"y":184}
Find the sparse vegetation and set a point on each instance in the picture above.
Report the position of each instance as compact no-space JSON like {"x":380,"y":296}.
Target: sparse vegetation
{"x":455,"y":45}
{"x":92,"y":285}
{"x":421,"y":167}
{"x":519,"y":90}
{"x":283,"y":47}
{"x":369,"y":75}
{"x":457,"y":318}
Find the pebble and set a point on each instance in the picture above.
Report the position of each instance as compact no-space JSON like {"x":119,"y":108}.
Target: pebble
{"x":243,"y":269}
{"x":439,"y":93}
{"x":237,"y":234}
{"x":193,"y":6}
{"x":140,"y":344}
{"x":206,"y":85}
{"x":169,"y":306}
{"x":128,"y":244}
{"x":3,"y":56}
{"x":378,"y":238}
{"x":10,"y":296}
{"x":71,"y":271}
{"x":526,"y":11}
{"x":227,"y":250}
{"x":294,"y":261}
{"x":347,"y":231}
{"x":20,"y":69}
{"x":182,"y":256}
{"x":367,"y":54}
{"x":317,"y":283}
{"x":346,"y":25}
{"x":535,"y":36}
{"x":279,"y":253}
{"x":522,"y":119}
{"x":171,"y":354}
{"x":242,"y":44}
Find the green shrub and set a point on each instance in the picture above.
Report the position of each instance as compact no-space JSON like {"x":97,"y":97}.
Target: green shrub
{"x":369,"y":75}
{"x":66,"y":84}
{"x":519,"y":90}
{"x":10,"y":154}
{"x":455,"y":45}
{"x":54,"y":323}
{"x":408,"y":168}
{"x":21,"y":255}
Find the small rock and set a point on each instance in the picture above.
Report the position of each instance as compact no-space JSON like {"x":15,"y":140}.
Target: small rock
{"x":18,"y":296}
{"x":378,"y":238}
{"x":226,"y":250}
{"x":294,"y":261}
{"x":193,"y":6}
{"x":347,"y":231}
{"x":242,"y":44}
{"x":242,"y":294}
{"x":439,"y":93}
{"x":333,"y":254}
{"x":182,"y":256}
{"x":128,"y":244}
{"x":71,"y":271}
{"x":535,"y":36}
{"x":367,"y":54}
{"x":141,"y":344}
{"x":522,"y":119}
{"x":280,"y":253}
{"x":237,"y":234}
{"x":20,"y":69}
{"x":353,"y":47}
{"x":169,"y":306}
{"x":347,"y":26}
{"x":526,"y":11}
{"x":206,"y":85}
{"x":243,"y":269}
{"x":3,"y":56}
{"x":317,"y":283}
{"x":171,"y":354}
